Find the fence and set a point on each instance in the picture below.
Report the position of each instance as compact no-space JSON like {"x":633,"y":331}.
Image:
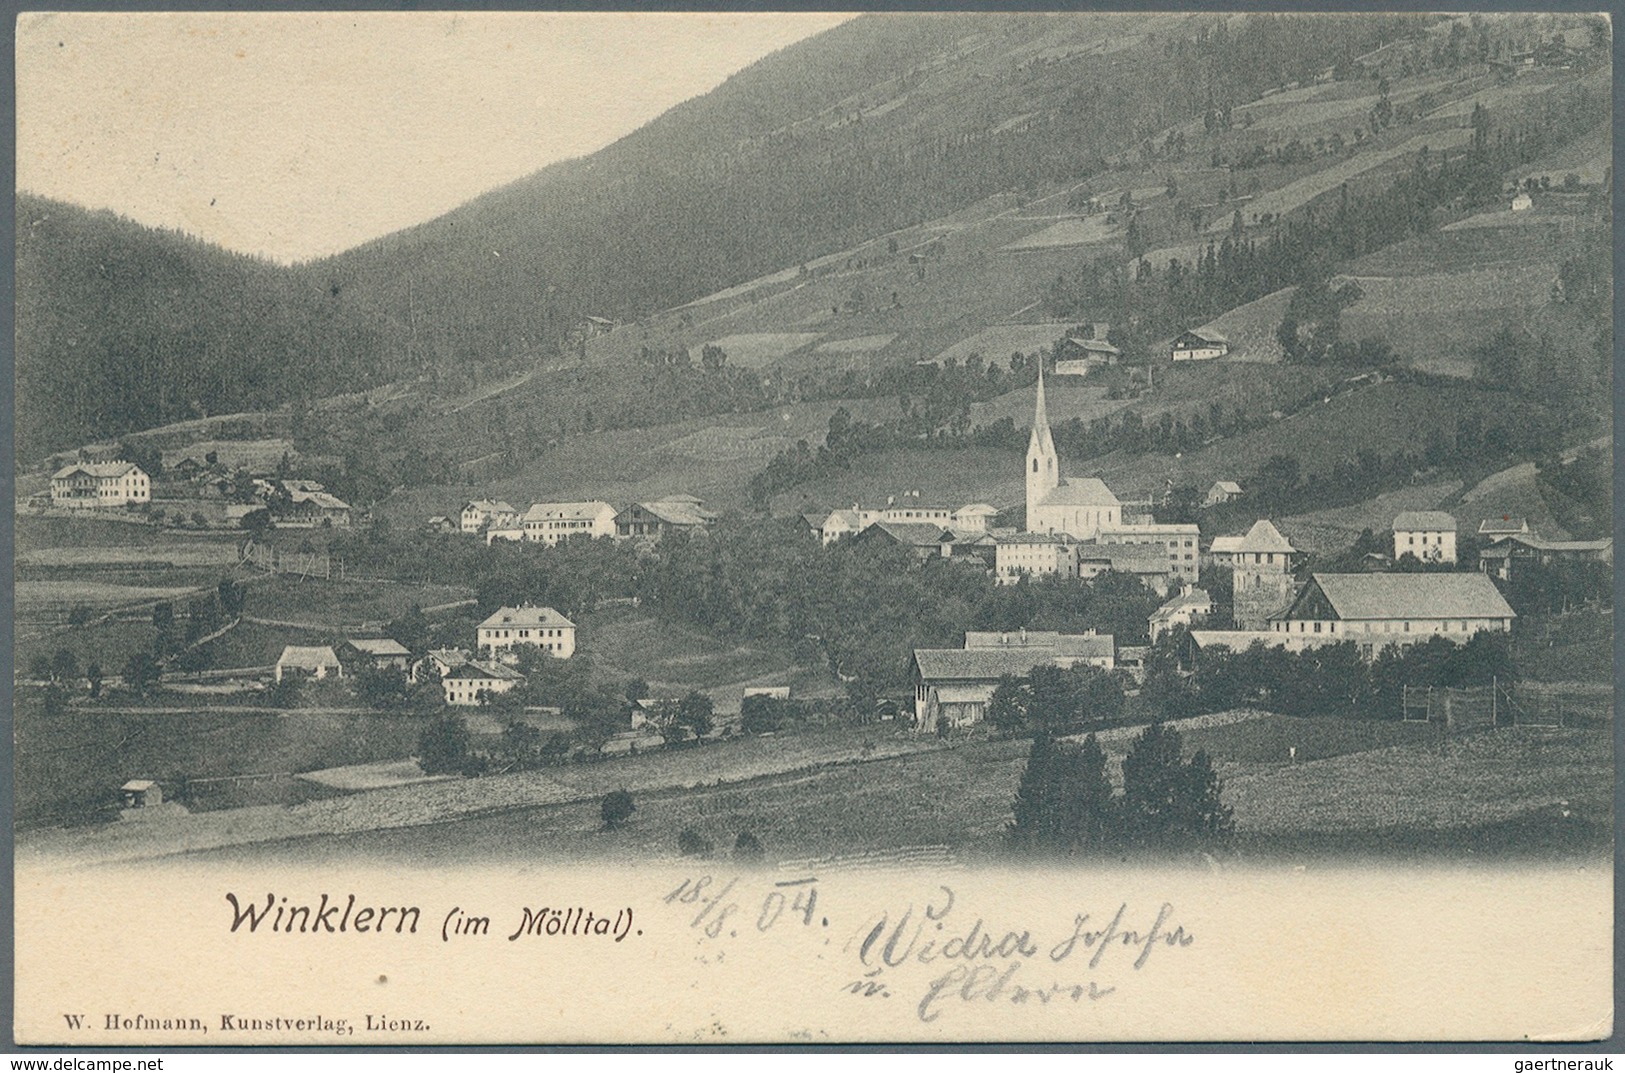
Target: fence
{"x":1498,"y":704}
{"x":304,"y":563}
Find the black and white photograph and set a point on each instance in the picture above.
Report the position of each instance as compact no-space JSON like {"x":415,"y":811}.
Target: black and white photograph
{"x":722,"y":501}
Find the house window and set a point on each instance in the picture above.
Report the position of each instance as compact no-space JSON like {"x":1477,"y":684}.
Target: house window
{"x":1317,"y":627}
{"x":1407,"y":627}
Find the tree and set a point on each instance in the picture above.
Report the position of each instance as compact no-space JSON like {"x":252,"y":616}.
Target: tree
{"x":380,"y":687}
{"x":690,"y":843}
{"x":443,"y":747}
{"x":616,"y":808}
{"x":79,"y":615}
{"x":1168,"y":803}
{"x":64,"y":666}
{"x":231,"y":595}
{"x":747,"y":847}
{"x":694,"y":714}
{"x":142,"y":671}
{"x":1007,"y":709}
{"x":163,"y":615}
{"x":286,"y":692}
{"x":636,"y":690}
{"x":1064,"y":801}
{"x":93,"y":674}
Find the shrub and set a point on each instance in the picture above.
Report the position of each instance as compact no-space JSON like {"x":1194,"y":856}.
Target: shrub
{"x":617,"y":808}
{"x":690,"y":843}
{"x":747,"y":847}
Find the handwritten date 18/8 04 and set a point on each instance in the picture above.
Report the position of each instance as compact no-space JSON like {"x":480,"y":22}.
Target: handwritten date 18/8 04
{"x":791,"y":901}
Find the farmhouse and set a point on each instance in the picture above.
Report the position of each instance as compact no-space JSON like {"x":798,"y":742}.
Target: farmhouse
{"x":1427,"y":535}
{"x":1263,"y":545}
{"x":475,"y":682}
{"x":1222,"y":492}
{"x":1199,"y":344}
{"x":308,"y":661}
{"x":541,"y":627}
{"x":1078,"y":506}
{"x":1499,"y":558}
{"x":1189,"y":607}
{"x":1181,"y":542}
{"x":952,"y":686}
{"x":654,"y":520}
{"x":551,"y":523}
{"x":100,"y":485}
{"x":1378,"y":610}
{"x":1522,"y":203}
{"x":378,"y":651}
{"x":477,"y":514}
{"x":302,"y":508}
{"x":1080,"y":357}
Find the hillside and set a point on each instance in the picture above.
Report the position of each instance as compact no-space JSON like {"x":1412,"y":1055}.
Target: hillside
{"x":953,"y":205}
{"x":879,"y":124}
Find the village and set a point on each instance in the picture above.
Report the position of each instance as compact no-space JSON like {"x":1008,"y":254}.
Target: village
{"x":506,"y":708}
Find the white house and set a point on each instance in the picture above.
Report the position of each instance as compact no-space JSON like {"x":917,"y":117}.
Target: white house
{"x":1199,"y":344}
{"x":100,"y":485}
{"x":1378,"y":610}
{"x":973,"y":518}
{"x":1429,"y":535}
{"x":475,"y":682}
{"x":541,"y":627}
{"x":477,"y":514}
{"x":310,"y":661}
{"x":551,"y":523}
{"x":1077,"y":506}
{"x":1187,"y":609}
{"x":1221,"y":492}
{"x":1522,"y":203}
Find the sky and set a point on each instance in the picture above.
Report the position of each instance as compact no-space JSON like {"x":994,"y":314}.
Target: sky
{"x":297,"y":135}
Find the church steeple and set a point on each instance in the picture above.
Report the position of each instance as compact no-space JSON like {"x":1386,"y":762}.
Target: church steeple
{"x":1043,"y":465}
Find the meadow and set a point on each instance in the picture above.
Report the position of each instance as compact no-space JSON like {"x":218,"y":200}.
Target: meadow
{"x":1357,"y":789}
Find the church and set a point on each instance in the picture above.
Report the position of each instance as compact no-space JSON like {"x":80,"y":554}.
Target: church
{"x":1079,"y":507}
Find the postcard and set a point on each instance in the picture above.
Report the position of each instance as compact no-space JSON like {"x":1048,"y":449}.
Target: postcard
{"x":564,"y":528}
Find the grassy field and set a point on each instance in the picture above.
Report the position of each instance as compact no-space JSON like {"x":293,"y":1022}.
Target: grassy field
{"x":1357,"y":788}
{"x":68,"y":765}
{"x":1334,"y":529}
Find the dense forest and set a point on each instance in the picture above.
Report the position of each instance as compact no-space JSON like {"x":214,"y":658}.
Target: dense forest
{"x":121,"y":327}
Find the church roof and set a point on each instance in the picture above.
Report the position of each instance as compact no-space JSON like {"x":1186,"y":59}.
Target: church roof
{"x":1081,"y":492}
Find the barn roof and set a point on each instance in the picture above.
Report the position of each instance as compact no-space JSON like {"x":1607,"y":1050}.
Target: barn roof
{"x":1206,"y":335}
{"x":1126,"y":558}
{"x":913,"y":534}
{"x":308,"y":657}
{"x":95,"y":469}
{"x":1064,"y":645}
{"x":1415,"y":521}
{"x":379,"y":646}
{"x":525,"y":616}
{"x":587,"y":510}
{"x":485,"y":671}
{"x":1241,"y":640}
{"x":1400,"y":596}
{"x":979,"y":664}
